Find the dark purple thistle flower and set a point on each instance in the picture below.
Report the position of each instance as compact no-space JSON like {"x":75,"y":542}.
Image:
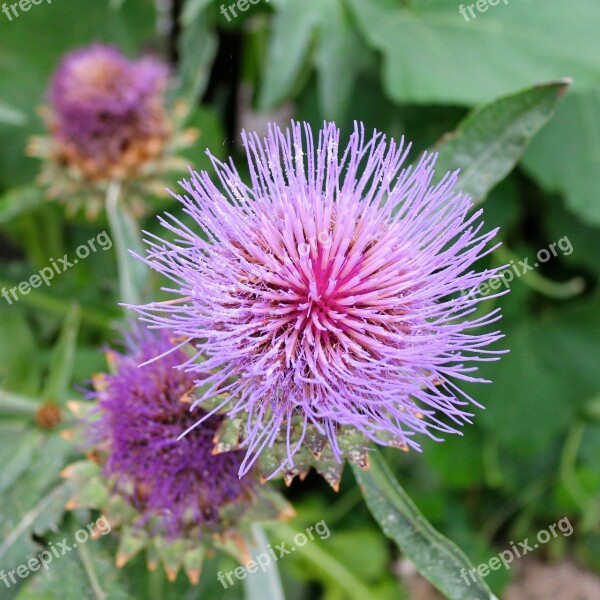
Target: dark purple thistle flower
{"x":326,"y":293}
{"x":174,"y":485}
{"x":107,"y":112}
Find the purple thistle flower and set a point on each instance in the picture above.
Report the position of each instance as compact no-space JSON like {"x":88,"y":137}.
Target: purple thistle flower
{"x":326,"y":293}
{"x":174,"y":485}
{"x":107,"y":112}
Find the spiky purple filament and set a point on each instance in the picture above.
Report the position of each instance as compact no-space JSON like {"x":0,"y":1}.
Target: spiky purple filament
{"x":327,"y":289}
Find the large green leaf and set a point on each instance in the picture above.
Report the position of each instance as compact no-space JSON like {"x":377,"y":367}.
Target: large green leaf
{"x":539,"y":386}
{"x":565,"y":157}
{"x":435,"y":557}
{"x":34,"y":503}
{"x":432,"y":55}
{"x":490,"y":141}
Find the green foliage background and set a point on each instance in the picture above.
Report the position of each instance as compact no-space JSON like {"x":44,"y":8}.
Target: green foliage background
{"x":412,"y":67}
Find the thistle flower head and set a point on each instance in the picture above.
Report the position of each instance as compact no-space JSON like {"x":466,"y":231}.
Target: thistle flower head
{"x":324,"y":296}
{"x":108,"y":113}
{"x":175,"y":499}
{"x":108,"y":121}
{"x":175,"y":486}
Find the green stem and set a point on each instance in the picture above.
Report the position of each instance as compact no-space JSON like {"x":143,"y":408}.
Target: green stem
{"x":14,"y":404}
{"x":328,"y":565}
{"x":568,"y":466}
{"x":125,"y":233}
{"x":86,"y":561}
{"x":552,"y":289}
{"x":262,"y":584}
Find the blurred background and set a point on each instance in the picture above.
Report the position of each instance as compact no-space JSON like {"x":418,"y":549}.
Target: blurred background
{"x":406,"y":67}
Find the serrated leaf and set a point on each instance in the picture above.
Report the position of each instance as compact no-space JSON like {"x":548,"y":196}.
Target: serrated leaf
{"x":491,"y":140}
{"x":85,"y":573}
{"x":16,"y":543}
{"x":434,"y":556}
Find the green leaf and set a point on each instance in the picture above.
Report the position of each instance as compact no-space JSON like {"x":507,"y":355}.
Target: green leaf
{"x":339,"y":58}
{"x":133,"y":273}
{"x":63,"y":357}
{"x":19,"y":442}
{"x":33,"y":503}
{"x":548,"y":375}
{"x":197,"y":49}
{"x":192,"y":9}
{"x":432,"y":55}
{"x":490,"y":141}
{"x":573,"y":169}
{"x":87,"y":572}
{"x":262,"y":584}
{"x":11,"y":115}
{"x":339,"y":55}
{"x":434,"y":556}
{"x":15,"y":404}
{"x":20,"y":368}
{"x":592,"y":409}
{"x":17,"y":201}
{"x":294,"y":26}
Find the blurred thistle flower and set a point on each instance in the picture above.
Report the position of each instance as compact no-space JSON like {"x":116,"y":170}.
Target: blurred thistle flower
{"x":324,"y":299}
{"x":173,"y":497}
{"x":108,"y":121}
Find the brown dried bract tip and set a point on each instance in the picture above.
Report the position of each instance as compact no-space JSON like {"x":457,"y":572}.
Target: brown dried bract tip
{"x":48,"y":416}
